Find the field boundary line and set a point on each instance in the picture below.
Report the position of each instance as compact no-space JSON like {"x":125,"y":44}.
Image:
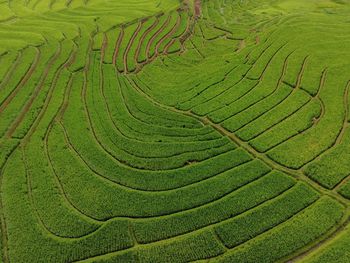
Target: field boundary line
{"x":294,"y":173}
{"x":22,"y":82}
{"x":209,"y":227}
{"x":271,"y":94}
{"x":11,"y":70}
{"x":35,"y":93}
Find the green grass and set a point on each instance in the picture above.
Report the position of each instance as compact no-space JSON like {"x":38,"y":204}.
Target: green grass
{"x":174,"y":131}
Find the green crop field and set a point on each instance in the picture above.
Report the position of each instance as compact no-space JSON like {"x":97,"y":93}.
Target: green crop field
{"x":174,"y":131}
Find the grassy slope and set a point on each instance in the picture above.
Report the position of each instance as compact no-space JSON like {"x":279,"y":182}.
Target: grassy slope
{"x":160,"y":165}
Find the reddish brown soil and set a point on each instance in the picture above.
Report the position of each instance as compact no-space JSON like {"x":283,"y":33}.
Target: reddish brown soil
{"x":24,"y":80}
{"x":197,"y":8}
{"x":117,"y":45}
{"x":27,"y":107}
{"x":131,"y":42}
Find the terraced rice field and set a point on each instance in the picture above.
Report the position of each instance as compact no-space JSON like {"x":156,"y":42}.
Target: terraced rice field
{"x":174,"y":131}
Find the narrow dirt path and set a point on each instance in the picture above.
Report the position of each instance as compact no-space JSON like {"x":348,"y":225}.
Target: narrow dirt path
{"x":317,"y":96}
{"x":128,"y":48}
{"x":23,"y":81}
{"x":148,"y":30}
{"x":36,"y":92}
{"x":197,"y":8}
{"x":160,"y":30}
{"x":117,"y":46}
{"x":11,"y":70}
{"x":346,"y":115}
{"x":169,"y":34}
{"x":65,"y":65}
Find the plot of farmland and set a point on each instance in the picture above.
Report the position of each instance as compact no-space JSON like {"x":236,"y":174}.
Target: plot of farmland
{"x":174,"y":131}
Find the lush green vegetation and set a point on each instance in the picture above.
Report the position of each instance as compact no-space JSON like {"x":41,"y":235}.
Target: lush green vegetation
{"x":174,"y":131}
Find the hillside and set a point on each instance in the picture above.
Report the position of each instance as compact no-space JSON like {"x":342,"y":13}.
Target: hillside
{"x":174,"y":131}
